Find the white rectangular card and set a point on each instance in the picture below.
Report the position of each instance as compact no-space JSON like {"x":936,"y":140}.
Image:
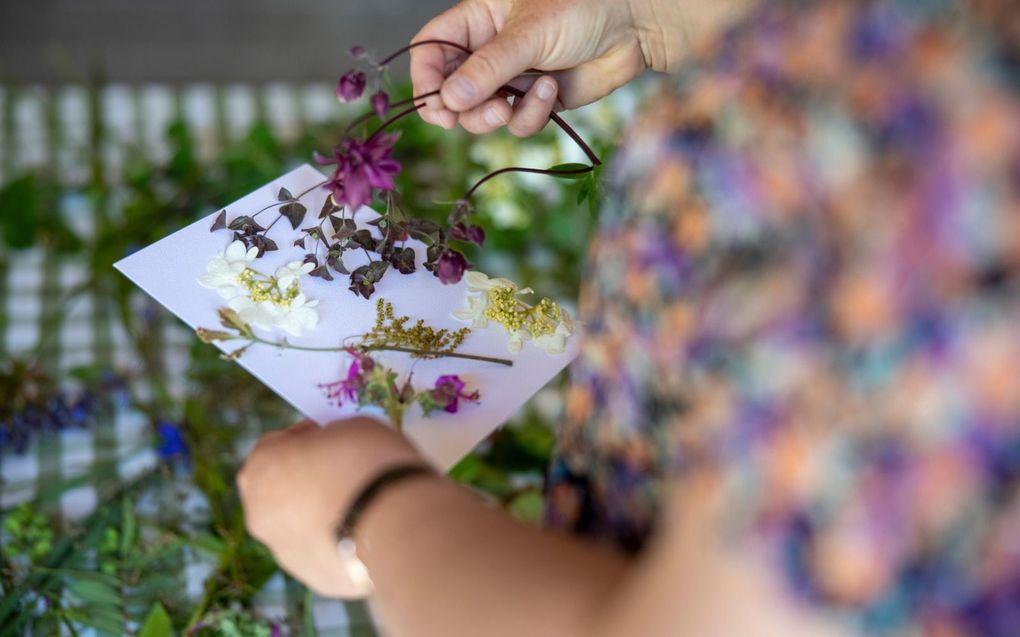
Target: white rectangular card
{"x":169,"y":270}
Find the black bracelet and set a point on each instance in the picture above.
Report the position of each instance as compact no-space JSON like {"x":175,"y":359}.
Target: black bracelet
{"x":378,"y":484}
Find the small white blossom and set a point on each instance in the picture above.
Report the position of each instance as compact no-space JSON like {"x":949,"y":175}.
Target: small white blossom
{"x":223,"y":271}
{"x":556,"y":342}
{"x":480,"y":282}
{"x":474,"y":312}
{"x":296,"y":317}
{"x":289,"y":274}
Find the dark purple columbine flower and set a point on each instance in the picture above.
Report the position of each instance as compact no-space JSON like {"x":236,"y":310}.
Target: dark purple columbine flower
{"x":360,"y":167}
{"x":381,"y":103}
{"x":451,"y":266}
{"x":351,"y":86}
{"x":449,"y":391}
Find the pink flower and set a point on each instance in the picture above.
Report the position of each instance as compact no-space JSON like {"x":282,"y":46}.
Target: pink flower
{"x":351,"y":86}
{"x":381,"y":103}
{"x":360,"y":167}
{"x":349,"y":388}
{"x":449,"y":392}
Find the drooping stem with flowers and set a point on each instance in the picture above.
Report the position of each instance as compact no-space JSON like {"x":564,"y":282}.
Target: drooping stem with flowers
{"x":368,"y":381}
{"x":363,"y":171}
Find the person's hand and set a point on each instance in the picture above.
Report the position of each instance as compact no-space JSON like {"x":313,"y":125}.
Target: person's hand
{"x":590,"y":47}
{"x":587,"y":48}
{"x":297,"y":483}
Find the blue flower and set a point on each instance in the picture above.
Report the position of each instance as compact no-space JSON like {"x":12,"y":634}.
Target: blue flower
{"x":171,"y":443}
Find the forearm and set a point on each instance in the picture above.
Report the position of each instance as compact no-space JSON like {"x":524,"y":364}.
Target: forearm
{"x":444,"y":563}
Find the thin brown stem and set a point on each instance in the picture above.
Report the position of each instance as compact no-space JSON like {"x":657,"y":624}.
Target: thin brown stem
{"x":388,"y":348}
{"x":522,"y":169}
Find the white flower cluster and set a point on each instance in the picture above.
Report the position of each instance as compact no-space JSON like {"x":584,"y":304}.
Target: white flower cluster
{"x":263,"y":301}
{"x":547,"y":325}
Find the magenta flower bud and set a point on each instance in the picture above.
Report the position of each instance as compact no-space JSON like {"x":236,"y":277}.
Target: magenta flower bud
{"x":451,"y":266}
{"x":357,"y":52}
{"x":351,"y":86}
{"x":381,"y":104}
{"x":463,"y":232}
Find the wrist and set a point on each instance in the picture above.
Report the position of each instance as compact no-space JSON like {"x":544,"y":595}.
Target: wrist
{"x":669,"y":29}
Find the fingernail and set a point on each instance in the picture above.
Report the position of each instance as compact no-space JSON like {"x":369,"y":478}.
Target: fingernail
{"x":461,"y":88}
{"x":494,"y":117}
{"x":545,"y":89}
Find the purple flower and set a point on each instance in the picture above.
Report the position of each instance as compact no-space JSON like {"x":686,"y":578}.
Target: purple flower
{"x":451,"y":266}
{"x":381,"y":103}
{"x":349,"y":388}
{"x":351,"y":86}
{"x":360,"y":167}
{"x":357,"y":52}
{"x":449,"y":392}
{"x":463,"y":232}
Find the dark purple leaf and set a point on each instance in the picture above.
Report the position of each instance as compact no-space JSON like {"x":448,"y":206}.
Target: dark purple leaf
{"x":220,"y":222}
{"x":403,"y":260}
{"x":328,"y":208}
{"x":334,"y":260}
{"x":322,"y":272}
{"x":294,"y":212}
{"x":310,"y":258}
{"x":364,"y":239}
{"x":376,"y":270}
{"x":360,"y":283}
{"x":246,"y":225}
{"x":284,"y":195}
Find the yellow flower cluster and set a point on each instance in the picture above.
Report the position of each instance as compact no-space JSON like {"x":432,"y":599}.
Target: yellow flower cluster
{"x":514,"y":314}
{"x":392,"y":331}
{"x":267,"y":288}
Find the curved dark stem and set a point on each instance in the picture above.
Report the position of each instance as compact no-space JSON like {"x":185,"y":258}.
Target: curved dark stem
{"x":367,"y":116}
{"x":400,"y":115}
{"x":521,"y":169}
{"x":588,"y":152}
{"x":399,"y":52}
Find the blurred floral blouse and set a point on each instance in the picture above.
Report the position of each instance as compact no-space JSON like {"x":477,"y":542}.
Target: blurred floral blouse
{"x":809,"y":276}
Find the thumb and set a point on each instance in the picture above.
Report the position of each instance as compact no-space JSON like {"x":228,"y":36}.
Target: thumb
{"x":500,"y":60}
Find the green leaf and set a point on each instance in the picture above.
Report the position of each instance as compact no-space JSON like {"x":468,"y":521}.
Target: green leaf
{"x":157,"y":623}
{"x":571,"y":166}
{"x":19,"y":211}
{"x":95,"y":593}
{"x":127,"y":526}
{"x":308,"y":617}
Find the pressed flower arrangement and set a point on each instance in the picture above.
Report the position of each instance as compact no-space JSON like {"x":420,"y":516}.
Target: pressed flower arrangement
{"x":363,"y":171}
{"x":197,"y":434}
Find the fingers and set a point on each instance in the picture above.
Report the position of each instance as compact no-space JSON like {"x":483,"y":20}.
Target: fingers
{"x":492,"y":114}
{"x":531,"y":114}
{"x":501,"y":59}
{"x":430,"y":64}
{"x":594,"y":80}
